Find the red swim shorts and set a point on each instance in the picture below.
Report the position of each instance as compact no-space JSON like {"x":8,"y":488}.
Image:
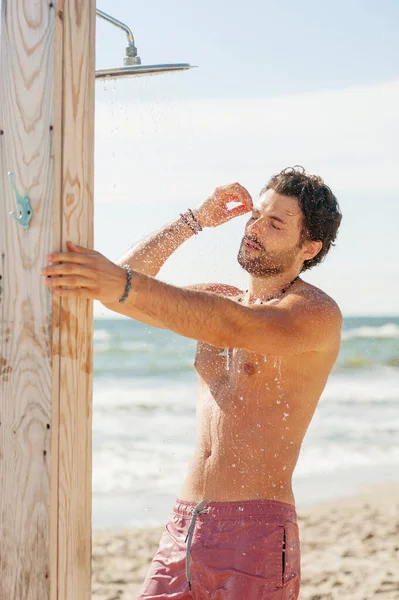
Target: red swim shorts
{"x":247,"y":550}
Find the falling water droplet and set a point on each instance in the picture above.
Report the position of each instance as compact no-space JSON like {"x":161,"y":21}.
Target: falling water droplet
{"x":278,"y":401}
{"x":284,"y":468}
{"x":274,"y":484}
{"x":241,"y":508}
{"x":227,"y":360}
{"x":225,"y":353}
{"x":275,"y":455}
{"x":233,"y":465}
{"x":257,"y":424}
{"x":286,"y":414}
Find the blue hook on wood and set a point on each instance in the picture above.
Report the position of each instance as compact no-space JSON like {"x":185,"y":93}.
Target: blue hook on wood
{"x":25,"y":210}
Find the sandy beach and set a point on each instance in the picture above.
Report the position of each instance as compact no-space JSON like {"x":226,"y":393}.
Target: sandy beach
{"x":349,"y":550}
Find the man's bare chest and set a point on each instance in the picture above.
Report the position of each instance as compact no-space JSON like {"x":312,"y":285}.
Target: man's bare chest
{"x":236,"y":365}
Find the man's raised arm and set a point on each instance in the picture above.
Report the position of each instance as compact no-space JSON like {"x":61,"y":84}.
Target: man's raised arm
{"x":148,"y":257}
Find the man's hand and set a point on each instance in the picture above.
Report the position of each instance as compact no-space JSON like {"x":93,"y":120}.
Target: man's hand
{"x":84,"y":273}
{"x":214,"y":211}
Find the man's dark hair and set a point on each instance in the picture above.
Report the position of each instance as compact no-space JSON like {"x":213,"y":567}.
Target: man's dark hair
{"x":319,"y":206}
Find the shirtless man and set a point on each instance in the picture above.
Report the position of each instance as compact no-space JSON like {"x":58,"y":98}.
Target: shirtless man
{"x":263,"y":358}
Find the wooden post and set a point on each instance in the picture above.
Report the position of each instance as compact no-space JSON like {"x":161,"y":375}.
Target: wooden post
{"x":47,"y":68}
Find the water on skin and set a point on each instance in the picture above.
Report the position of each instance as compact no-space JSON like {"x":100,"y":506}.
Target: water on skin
{"x":226,"y":354}
{"x":277,"y":365}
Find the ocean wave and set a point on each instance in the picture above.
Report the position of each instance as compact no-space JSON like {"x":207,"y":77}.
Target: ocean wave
{"x":361,"y":362}
{"x":327,"y":459}
{"x":380,"y":385}
{"x":105,"y":346}
{"x":101,"y":334}
{"x":159,"y":372}
{"x":389,"y":330}
{"x":355,"y":362}
{"x":171,"y":396}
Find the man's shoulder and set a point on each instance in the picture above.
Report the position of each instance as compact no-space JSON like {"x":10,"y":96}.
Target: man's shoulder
{"x":319,"y":297}
{"x":319,"y":306}
{"x":223,"y":289}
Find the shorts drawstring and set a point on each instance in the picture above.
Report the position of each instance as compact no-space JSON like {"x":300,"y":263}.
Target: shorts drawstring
{"x":198,"y":510}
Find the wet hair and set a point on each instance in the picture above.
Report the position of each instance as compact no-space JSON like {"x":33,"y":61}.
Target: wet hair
{"x":320,"y":209}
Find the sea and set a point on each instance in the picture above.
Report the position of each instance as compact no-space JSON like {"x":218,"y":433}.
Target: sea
{"x":144,"y":429}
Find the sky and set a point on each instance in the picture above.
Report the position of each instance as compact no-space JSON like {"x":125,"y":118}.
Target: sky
{"x":277,"y":84}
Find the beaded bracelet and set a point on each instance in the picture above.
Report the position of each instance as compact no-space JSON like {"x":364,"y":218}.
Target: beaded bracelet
{"x":195,"y":219}
{"x":189,"y":224}
{"x":129,"y":282}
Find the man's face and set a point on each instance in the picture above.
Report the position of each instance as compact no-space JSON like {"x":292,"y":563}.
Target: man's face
{"x":275,"y":226}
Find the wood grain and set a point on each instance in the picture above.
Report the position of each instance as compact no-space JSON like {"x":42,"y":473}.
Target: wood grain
{"x":47,"y":141}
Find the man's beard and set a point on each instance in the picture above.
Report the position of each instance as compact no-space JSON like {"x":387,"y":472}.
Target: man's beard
{"x":264,"y":263}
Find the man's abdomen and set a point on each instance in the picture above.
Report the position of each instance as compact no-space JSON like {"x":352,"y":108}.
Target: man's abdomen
{"x":230,"y":477}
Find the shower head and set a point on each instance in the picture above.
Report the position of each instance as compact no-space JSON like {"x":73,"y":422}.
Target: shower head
{"x":132,"y":62}
{"x":140,"y":70}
